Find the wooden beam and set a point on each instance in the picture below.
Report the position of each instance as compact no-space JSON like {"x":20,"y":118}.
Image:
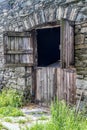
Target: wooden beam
{"x":19,"y":52}
{"x":48,"y":26}
{"x":19,"y":65}
{"x":17,"y":34}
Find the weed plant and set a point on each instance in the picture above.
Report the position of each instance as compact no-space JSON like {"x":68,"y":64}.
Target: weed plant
{"x":10,"y":101}
{"x":10,"y":97}
{"x":62,"y":118}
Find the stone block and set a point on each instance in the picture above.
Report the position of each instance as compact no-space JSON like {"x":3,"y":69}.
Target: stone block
{"x":50,"y":13}
{"x":59,"y":12}
{"x":73,"y":14}
{"x":79,"y":39}
{"x":79,"y":76}
{"x":26,"y":23}
{"x":65,"y":12}
{"x":31,"y":20}
{"x":84,"y":30}
{"x":21,"y":81}
{"x":84,"y":24}
{"x":81,"y":84}
{"x":81,"y":18}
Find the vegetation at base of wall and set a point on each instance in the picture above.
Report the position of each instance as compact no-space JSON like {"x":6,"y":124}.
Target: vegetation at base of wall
{"x":10,"y":101}
{"x":10,"y":111}
{"x":10,"y":97}
{"x":62,"y":118}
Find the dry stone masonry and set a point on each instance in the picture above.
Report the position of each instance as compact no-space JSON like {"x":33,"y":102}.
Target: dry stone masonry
{"x":25,"y":15}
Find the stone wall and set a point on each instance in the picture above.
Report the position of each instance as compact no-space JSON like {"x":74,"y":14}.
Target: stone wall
{"x":81,"y":54}
{"x":24,"y":15}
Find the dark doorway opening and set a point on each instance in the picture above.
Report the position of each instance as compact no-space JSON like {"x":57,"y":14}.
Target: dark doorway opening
{"x":48,"y":46}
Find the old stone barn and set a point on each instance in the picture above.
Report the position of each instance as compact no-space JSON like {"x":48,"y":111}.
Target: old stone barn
{"x":43,"y":48}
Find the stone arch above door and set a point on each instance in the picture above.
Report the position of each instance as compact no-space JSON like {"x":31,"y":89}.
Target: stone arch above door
{"x":34,"y":13}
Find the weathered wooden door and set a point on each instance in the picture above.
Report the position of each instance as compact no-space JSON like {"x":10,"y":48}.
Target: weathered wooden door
{"x":59,"y":81}
{"x":18,"y":49}
{"x":55,"y":82}
{"x":67,"y":43}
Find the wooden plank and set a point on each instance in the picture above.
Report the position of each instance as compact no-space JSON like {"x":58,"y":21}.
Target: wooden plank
{"x":12,"y":48}
{"x":12,"y":59}
{"x":8,"y":44}
{"x":68,"y":45}
{"x":17,"y":58}
{"x":65,"y":86}
{"x":62,"y":43}
{"x":48,"y":89}
{"x":12,"y":43}
{"x":20,"y":46}
{"x":41,"y":86}
{"x":55,"y":83}
{"x":26,"y":43}
{"x":17,"y":34}
{"x":50,"y":83}
{"x":24,"y":56}
{"x":37,"y":85}
{"x":67,"y":50}
{"x":24,"y":59}
{"x":35,"y":55}
{"x":5,"y":41}
{"x":58,"y":83}
{"x":61,"y":87}
{"x":68,"y":87}
{"x":37,"y":93}
{"x":72,"y":46}
{"x":20,"y":52}
{"x":45,"y":87}
{"x":31,"y":46}
{"x":8,"y":57}
{"x":17,"y":64}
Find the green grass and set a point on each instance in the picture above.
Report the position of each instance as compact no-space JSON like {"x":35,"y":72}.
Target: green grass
{"x":43,"y":118}
{"x":7,"y":120}
{"x":10,"y":101}
{"x":22,"y":121}
{"x":10,"y":111}
{"x":10,"y":97}
{"x":48,"y":126}
{"x":62,"y":118}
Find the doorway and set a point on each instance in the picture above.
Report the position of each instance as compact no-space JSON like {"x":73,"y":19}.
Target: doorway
{"x":48,"y":46}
